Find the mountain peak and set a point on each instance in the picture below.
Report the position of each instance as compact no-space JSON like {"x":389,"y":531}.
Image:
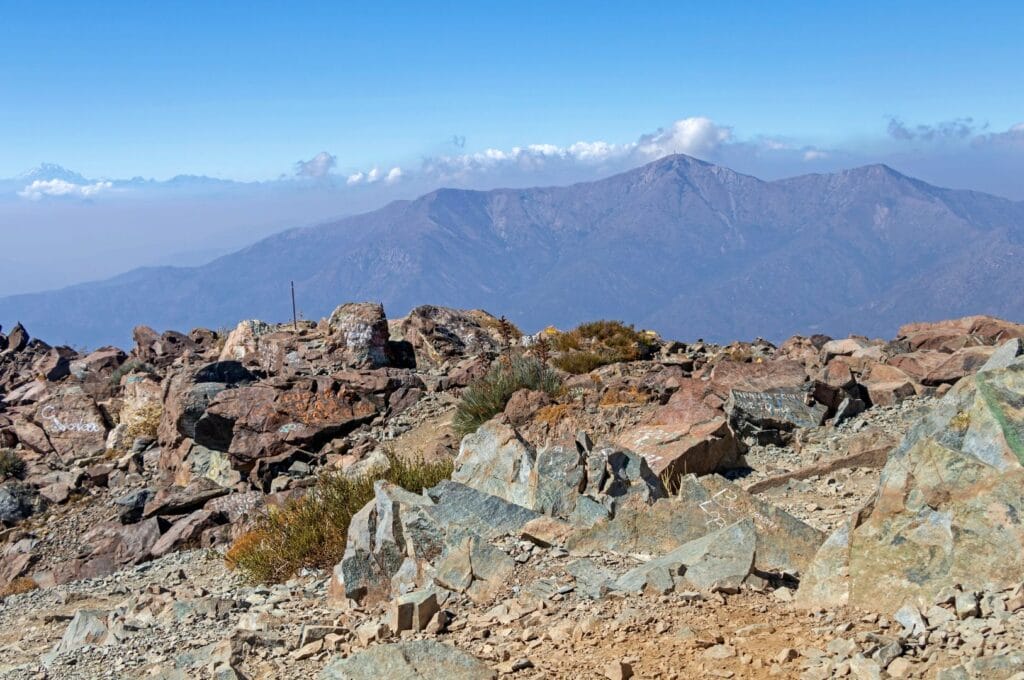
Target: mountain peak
{"x":52,"y":171}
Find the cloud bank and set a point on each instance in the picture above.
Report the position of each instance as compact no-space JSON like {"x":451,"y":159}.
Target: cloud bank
{"x":41,"y":188}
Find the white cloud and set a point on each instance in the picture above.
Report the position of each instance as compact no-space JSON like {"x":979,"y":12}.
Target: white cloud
{"x":696,"y":136}
{"x":319,"y":165}
{"x":41,"y":188}
{"x":815,"y":155}
{"x":375,"y":174}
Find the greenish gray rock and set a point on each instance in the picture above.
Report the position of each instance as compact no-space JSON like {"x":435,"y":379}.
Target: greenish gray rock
{"x":947,"y":508}
{"x":722,"y":558}
{"x":391,"y":543}
{"x":474,"y":567}
{"x":569,"y":480}
{"x":458,"y":507}
{"x":412,"y":660}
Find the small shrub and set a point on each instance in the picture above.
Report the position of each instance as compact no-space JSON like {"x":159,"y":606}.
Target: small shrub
{"x":598,"y":343}
{"x":311,"y":532}
{"x":485,"y":398}
{"x":143,"y":421}
{"x":551,"y":414}
{"x":132,"y":366}
{"x":12,"y":465}
{"x":22,"y":584}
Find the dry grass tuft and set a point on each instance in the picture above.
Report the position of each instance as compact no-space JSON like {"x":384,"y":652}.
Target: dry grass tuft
{"x":311,"y":532}
{"x":143,"y":421}
{"x":20,"y":585}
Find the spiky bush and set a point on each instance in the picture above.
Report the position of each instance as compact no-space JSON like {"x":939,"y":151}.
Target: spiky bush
{"x":485,"y":398}
{"x":311,"y":531}
{"x":12,"y":465}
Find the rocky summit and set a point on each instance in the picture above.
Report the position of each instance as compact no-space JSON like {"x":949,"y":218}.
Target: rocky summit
{"x":443,"y":496}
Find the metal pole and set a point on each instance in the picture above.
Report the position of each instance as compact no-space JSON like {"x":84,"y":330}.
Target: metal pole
{"x":295,"y":317}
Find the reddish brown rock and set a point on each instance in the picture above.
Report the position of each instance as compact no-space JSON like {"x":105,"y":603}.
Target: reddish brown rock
{"x":523,"y":404}
{"x":259,"y":421}
{"x":177,"y":500}
{"x":954,"y":334}
{"x":73,"y":424}
{"x":160,"y":350}
{"x":918,"y":364}
{"x":687,"y":435}
{"x":186,"y":531}
{"x":959,"y":364}
{"x":756,"y":377}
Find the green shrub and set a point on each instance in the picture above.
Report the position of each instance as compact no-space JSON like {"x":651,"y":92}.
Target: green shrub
{"x":485,"y":398}
{"x":12,"y":465}
{"x":132,"y":366}
{"x":312,"y":531}
{"x":597,"y":343}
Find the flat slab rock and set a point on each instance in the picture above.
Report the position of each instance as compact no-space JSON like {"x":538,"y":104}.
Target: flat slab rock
{"x":413,"y":660}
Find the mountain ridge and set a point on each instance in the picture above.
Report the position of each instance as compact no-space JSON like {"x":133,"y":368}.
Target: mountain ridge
{"x":680,"y":245}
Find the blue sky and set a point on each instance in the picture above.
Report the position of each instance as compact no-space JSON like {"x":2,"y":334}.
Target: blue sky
{"x":244,"y":90}
{"x":329,"y":109}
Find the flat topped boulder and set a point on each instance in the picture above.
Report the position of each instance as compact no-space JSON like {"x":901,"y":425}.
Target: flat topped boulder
{"x":411,"y":660}
{"x":770,"y":417}
{"x":359,"y":330}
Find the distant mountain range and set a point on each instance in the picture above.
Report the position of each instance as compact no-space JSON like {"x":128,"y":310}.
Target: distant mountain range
{"x":679,"y":245}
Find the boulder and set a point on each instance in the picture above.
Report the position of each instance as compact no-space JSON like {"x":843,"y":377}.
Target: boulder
{"x":73,"y":425}
{"x":393,"y":537}
{"x":566,"y":480}
{"x":18,"y":502}
{"x":160,"y":350}
{"x":189,"y":392}
{"x":265,"y":419}
{"x":186,"y":531}
{"x":17,"y":339}
{"x":771,"y":417}
{"x":946,"y":509}
{"x":110,"y":546}
{"x":844,"y":347}
{"x":475,"y":567}
{"x":723,"y":558}
{"x":954,"y":334}
{"x":957,"y":365}
{"x":410,"y":660}
{"x":439,"y":335}
{"x":360,"y":331}
{"x":687,"y":435}
{"x":88,"y":627}
{"x":703,"y":505}
{"x":178,"y":500}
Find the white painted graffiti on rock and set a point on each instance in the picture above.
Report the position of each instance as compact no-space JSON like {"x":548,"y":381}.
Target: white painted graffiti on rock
{"x":57,"y":425}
